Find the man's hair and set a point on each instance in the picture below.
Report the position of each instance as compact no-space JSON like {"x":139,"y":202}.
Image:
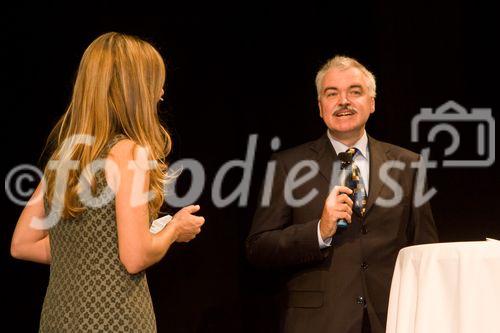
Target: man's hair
{"x":343,"y":62}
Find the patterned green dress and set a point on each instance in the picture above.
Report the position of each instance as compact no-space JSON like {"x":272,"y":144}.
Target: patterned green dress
{"x":89,"y":288}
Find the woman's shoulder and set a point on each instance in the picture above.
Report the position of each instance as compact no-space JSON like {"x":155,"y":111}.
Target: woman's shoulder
{"x":125,"y":149}
{"x":121,"y":146}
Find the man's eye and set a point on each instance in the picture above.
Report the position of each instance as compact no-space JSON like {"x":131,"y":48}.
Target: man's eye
{"x":356,"y":92}
{"x":330,"y":94}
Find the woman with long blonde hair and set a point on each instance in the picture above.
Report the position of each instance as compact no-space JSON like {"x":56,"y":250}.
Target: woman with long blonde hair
{"x":90,"y":216}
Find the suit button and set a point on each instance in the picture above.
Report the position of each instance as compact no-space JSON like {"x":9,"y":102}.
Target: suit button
{"x":364,"y":230}
{"x":364,"y":265}
{"x":360,"y":300}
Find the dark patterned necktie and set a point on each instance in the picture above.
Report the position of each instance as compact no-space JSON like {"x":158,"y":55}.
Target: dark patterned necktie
{"x":354,"y":181}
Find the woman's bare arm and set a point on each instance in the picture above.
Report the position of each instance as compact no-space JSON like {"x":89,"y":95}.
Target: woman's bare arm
{"x":138,"y":248}
{"x":29,"y":243}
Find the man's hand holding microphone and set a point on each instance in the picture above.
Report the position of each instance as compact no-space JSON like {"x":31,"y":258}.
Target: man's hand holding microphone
{"x":338,"y":206}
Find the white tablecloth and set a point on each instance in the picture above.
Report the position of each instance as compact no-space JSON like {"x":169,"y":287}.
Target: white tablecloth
{"x":446,"y":288}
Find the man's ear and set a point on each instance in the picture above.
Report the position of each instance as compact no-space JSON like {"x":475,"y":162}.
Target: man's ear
{"x":372,"y":105}
{"x":320,"y":109}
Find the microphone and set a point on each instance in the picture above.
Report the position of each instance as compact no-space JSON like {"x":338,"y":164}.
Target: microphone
{"x":345,"y":162}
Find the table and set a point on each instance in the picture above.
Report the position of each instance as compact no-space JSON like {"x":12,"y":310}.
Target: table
{"x":446,"y":287}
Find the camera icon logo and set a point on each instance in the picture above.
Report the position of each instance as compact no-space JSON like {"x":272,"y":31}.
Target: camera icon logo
{"x":453,"y":113}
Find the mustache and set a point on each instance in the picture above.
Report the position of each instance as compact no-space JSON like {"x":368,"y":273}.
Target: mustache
{"x":344,"y":108}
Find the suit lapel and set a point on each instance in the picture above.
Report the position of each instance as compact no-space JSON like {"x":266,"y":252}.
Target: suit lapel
{"x":377,"y":158}
{"x":326,"y":157}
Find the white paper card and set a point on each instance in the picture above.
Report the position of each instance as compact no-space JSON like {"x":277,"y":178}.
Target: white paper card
{"x":159,"y":224}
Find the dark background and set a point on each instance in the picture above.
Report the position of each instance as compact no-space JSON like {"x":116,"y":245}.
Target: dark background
{"x":234,"y":70}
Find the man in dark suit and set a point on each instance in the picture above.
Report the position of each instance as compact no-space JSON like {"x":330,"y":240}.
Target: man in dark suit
{"x":338,"y":279}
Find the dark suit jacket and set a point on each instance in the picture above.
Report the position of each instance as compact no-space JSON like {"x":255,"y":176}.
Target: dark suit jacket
{"x":323,"y":287}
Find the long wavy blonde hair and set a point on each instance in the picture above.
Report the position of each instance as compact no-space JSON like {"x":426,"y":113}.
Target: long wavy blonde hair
{"x":118,"y":85}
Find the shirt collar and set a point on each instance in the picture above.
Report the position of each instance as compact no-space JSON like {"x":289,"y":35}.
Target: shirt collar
{"x":361,"y":144}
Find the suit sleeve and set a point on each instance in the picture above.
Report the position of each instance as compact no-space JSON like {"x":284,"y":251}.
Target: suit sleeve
{"x":422,"y":228}
{"x":274,"y":242}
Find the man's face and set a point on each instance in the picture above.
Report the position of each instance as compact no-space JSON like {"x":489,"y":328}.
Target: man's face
{"x":345,"y":103}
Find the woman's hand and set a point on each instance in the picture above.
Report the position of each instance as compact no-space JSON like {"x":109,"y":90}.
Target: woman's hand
{"x":187,"y":225}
